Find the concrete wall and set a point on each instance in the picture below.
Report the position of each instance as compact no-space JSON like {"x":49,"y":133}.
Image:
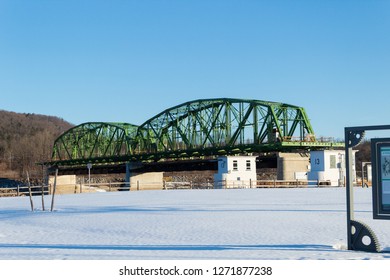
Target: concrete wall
{"x":292,"y":166}
{"x":63,"y":180}
{"x":146,"y":181}
{"x":66,"y":184}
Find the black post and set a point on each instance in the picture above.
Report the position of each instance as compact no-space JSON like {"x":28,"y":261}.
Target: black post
{"x":349,"y":188}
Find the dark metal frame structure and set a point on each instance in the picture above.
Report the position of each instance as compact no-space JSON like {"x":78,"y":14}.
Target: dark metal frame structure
{"x":377,"y":177}
{"x":359,"y":235}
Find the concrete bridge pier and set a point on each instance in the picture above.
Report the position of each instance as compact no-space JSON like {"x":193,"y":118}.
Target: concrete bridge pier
{"x":293,"y":166}
{"x":142,"y":181}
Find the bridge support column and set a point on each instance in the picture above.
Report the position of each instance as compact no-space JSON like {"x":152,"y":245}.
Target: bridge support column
{"x":292,"y":166}
{"x":136,"y":181}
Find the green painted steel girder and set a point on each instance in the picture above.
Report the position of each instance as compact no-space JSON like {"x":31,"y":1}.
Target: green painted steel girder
{"x":204,"y":127}
{"x":222,"y":123}
{"x":94,"y":140}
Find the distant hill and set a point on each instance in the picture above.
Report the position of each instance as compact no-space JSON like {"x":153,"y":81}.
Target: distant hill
{"x":26,"y":139}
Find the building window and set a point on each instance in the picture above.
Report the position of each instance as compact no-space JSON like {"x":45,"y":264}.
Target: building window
{"x":333,"y":162}
{"x":235,"y":165}
{"x":248,"y":165}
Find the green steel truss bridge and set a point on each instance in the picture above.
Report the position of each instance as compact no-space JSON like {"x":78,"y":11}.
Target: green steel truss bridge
{"x":195,"y":129}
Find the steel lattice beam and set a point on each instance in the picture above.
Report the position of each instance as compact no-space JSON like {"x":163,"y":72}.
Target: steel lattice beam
{"x":214,"y":125}
{"x":91,"y":141}
{"x":198,"y":128}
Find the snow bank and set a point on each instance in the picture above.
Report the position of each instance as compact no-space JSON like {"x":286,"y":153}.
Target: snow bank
{"x":187,"y":224}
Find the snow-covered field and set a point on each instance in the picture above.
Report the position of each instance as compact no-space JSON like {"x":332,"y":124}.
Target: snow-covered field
{"x":267,"y":224}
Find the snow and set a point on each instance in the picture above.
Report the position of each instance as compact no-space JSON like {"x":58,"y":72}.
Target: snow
{"x":270,"y":224}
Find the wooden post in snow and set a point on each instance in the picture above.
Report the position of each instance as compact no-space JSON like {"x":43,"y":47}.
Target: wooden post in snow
{"x":43,"y":189}
{"x":43,"y":196}
{"x":54,"y":190}
{"x":29,"y":192}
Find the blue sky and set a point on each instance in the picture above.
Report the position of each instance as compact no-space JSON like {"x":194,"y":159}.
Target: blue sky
{"x":126,"y":61}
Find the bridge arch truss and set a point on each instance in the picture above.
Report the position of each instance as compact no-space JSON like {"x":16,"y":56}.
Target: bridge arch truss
{"x":215,"y":126}
{"x":204,"y":127}
{"x":95,"y":142}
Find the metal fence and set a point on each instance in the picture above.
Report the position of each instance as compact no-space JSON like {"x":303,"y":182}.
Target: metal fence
{"x":225,"y":184}
{"x":24,"y":190}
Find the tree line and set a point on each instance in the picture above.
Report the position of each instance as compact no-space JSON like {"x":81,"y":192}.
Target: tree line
{"x":363,"y":155}
{"x":25,"y":140}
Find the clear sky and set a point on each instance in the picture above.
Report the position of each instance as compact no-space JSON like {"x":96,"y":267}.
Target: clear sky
{"x":126,"y":61}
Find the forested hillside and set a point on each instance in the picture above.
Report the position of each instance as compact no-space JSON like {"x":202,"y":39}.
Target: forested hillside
{"x":26,"y":139}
